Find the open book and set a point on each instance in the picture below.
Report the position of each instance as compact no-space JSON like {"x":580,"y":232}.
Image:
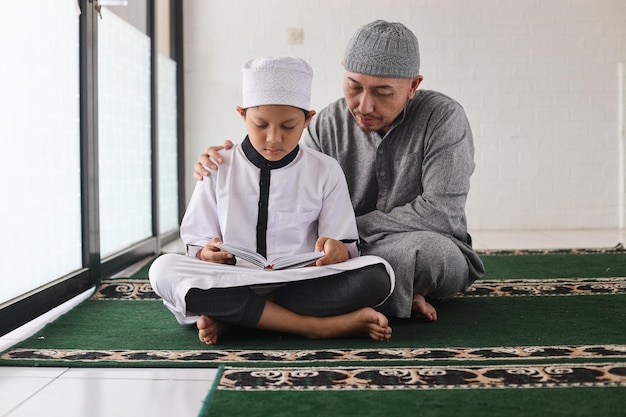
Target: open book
{"x":282,"y":262}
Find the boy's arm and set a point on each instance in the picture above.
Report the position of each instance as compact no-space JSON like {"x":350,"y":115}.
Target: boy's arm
{"x":200,"y":223}
{"x":336,"y":218}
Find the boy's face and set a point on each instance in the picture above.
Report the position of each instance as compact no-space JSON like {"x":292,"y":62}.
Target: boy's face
{"x":275,"y":130}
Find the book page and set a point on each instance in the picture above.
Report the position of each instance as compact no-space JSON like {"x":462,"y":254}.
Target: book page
{"x":246,"y":254}
{"x":296,"y":261}
{"x":282,"y":262}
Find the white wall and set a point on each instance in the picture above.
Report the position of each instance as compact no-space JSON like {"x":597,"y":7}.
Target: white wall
{"x":539,"y":81}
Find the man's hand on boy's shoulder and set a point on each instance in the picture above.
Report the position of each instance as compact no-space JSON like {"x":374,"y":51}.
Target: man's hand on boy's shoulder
{"x":210,"y":159}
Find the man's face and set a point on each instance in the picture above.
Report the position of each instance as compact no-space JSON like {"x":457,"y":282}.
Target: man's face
{"x":375,"y":102}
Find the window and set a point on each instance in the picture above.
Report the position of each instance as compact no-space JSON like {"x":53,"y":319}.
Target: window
{"x":90,"y":145}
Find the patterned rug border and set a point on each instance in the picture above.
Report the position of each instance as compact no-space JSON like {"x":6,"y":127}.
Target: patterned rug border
{"x":619,"y":248}
{"x":125,"y":289}
{"x":425,"y":377}
{"x":217,"y":356}
{"x":546,"y":287}
{"x":138,"y":289}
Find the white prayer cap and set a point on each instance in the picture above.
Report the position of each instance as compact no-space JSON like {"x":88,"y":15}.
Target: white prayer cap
{"x":277,"y":80}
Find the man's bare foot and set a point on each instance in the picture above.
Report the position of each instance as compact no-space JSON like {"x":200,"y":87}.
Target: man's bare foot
{"x":422,"y":309}
{"x":209,"y":330}
{"x":365,"y":321}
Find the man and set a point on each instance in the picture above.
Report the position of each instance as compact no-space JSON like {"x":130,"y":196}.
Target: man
{"x":408,"y":157}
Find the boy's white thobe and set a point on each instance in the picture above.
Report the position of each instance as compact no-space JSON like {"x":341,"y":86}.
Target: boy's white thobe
{"x":308,"y":198}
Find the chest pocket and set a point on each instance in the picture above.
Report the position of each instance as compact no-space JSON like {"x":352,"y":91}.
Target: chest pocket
{"x":295,"y":231}
{"x":408,"y":161}
{"x":406,"y":183}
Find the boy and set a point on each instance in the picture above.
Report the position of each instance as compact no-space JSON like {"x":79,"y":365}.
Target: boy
{"x":276,"y":198}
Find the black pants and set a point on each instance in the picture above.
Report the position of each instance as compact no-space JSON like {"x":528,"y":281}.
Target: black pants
{"x":327,"y":296}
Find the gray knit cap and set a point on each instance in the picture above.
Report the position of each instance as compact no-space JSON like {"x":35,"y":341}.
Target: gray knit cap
{"x":383,"y":49}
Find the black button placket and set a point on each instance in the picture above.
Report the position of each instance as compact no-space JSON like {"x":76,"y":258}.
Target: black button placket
{"x":261,"y":224}
{"x":264,"y":188}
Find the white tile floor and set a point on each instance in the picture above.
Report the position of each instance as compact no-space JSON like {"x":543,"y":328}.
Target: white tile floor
{"x":73,"y":392}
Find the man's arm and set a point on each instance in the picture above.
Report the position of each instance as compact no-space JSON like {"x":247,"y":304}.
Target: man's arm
{"x":309,"y":139}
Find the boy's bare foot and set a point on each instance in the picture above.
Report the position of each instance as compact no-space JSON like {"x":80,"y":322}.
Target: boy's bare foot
{"x":365,"y":321}
{"x":209,"y":330}
{"x":422,"y":309}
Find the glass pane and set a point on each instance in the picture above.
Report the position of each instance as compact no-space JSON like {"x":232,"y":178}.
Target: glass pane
{"x":168,"y":152}
{"x":123,"y":134}
{"x":40,"y":216}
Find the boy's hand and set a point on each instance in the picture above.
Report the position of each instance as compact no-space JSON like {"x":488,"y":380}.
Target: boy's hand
{"x":334,"y":251}
{"x":212,"y":253}
{"x":209,"y":160}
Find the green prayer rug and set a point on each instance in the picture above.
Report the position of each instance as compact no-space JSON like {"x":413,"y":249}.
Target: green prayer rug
{"x":543,"y":333}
